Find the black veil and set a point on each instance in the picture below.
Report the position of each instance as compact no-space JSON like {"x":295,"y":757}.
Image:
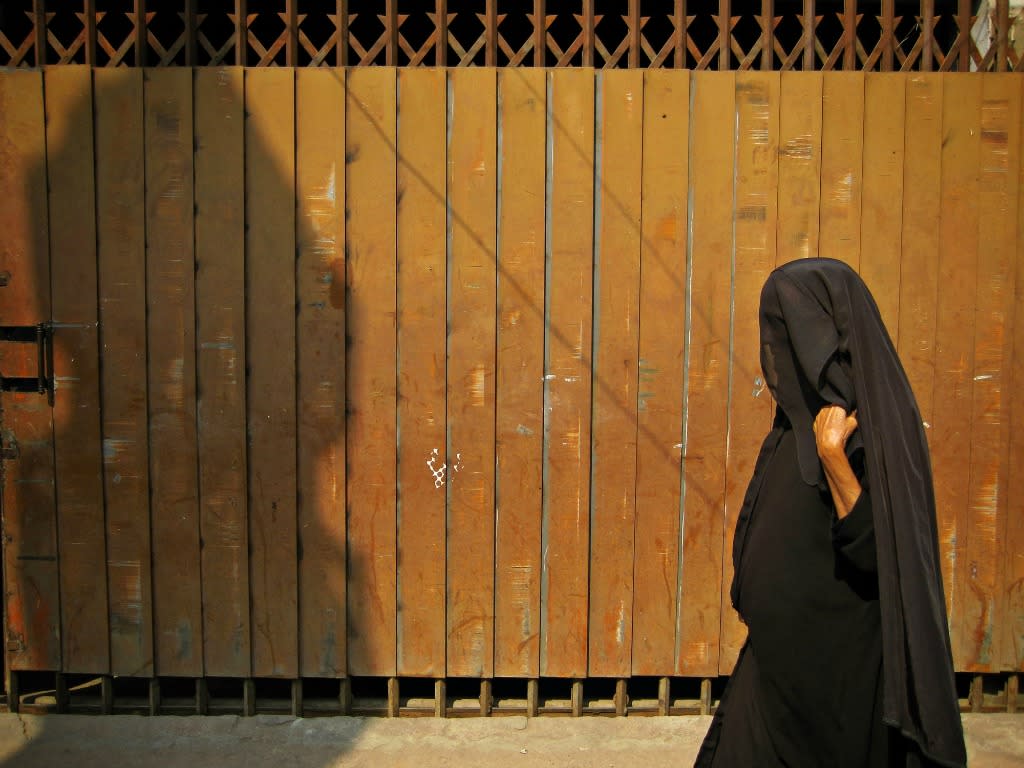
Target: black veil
{"x":823,"y":341}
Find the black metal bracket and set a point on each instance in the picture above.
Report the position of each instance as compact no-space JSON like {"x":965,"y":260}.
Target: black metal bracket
{"x":42,"y":336}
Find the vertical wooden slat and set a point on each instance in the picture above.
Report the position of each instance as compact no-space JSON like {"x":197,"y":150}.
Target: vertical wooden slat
{"x":808,"y":36}
{"x":90,"y":32}
{"x":963,"y":47}
{"x":888,"y":40}
{"x":567,"y":395}
{"x":221,"y":364}
{"x":441,"y":22}
{"x":882,"y":197}
{"x":919,"y":261}
{"x":712,"y":118}
{"x":987,"y":503}
{"x":724,"y":35}
{"x":270,"y":356}
{"x":1002,"y":33}
{"x":850,"y":35}
{"x":587,"y":21}
{"x":422,"y":274}
{"x":291,"y":24}
{"x":800,"y":123}
{"x":320,"y":296}
{"x":757,"y":110}
{"x":31,"y":592}
{"x":491,"y":33}
{"x":954,"y":333}
{"x":680,"y":34}
{"x":540,"y":33}
{"x":370,"y":243}
{"x":634,"y":33}
{"x":660,"y":391}
{"x":77,"y":445}
{"x":472,"y":182}
{"x":767,"y":35}
{"x":615,"y":370}
{"x":1013,"y":538}
{"x":520,"y":373}
{"x":190,"y":33}
{"x":927,"y":34}
{"x":241,"y":32}
{"x":39,"y":31}
{"x":141,"y":34}
{"x":170,"y":313}
{"x":391,"y":31}
{"x":842,"y":153}
{"x":121,"y":233}
{"x":341,"y":21}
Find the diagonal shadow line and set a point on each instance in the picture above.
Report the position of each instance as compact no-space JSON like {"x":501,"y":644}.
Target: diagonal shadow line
{"x":646,"y":243}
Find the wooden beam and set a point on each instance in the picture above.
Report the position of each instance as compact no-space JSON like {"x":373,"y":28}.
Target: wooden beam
{"x":39,"y":34}
{"x":634,"y":34}
{"x":393,"y":700}
{"x":621,"y":697}
{"x":441,"y":57}
{"x":341,"y":49}
{"x":664,"y":696}
{"x":808,"y":38}
{"x":90,"y":33}
{"x":768,"y":35}
{"x":705,"y":696}
{"x":491,"y":33}
{"x":1002,"y":33}
{"x":679,"y":56}
{"x":888,"y":25}
{"x":588,"y":33}
{"x":540,"y":33}
{"x":724,"y":35}
{"x":141,"y":33}
{"x":291,"y":46}
{"x":391,"y":30}
{"x":190,"y":33}
{"x":927,"y":33}
{"x":241,"y":32}
{"x":963,"y":52}
{"x":440,"y":698}
{"x":850,"y":35}
{"x":532,"y":697}
{"x":576,"y":698}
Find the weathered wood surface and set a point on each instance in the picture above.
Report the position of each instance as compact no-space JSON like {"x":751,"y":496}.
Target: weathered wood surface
{"x":431,"y":373}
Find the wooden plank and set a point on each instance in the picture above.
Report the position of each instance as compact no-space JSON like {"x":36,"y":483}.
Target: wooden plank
{"x":31,"y":589}
{"x":472,"y":332}
{"x":615,"y":370}
{"x":800,"y":124}
{"x":422,"y":274}
{"x":370,"y":245}
{"x":519,"y":397}
{"x":320,"y":285}
{"x":660,"y":390}
{"x":270,"y":354}
{"x":121,"y":253}
{"x":567,"y":394}
{"x":954,"y":334}
{"x":170,"y":315}
{"x":842,"y":152}
{"x":750,"y":412}
{"x":85,"y":631}
{"x":987,"y":501}
{"x":1012,"y":656}
{"x":882,"y":197}
{"x":920,"y":237}
{"x":713,"y":115}
{"x":220,"y":364}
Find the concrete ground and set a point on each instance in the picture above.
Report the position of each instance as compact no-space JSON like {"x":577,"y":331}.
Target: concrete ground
{"x":229,"y":741}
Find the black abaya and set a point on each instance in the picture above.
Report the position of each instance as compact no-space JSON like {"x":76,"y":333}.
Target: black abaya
{"x":806,"y":690}
{"x":847,"y":661}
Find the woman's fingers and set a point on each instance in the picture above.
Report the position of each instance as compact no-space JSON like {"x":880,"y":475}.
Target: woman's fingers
{"x":833,"y":427}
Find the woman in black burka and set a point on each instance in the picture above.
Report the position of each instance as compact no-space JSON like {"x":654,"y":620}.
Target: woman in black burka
{"x":847,"y":660}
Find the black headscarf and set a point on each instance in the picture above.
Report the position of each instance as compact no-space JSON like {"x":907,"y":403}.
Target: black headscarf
{"x":823,"y":342}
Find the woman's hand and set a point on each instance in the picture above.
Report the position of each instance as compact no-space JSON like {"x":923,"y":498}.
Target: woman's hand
{"x":832,"y":428}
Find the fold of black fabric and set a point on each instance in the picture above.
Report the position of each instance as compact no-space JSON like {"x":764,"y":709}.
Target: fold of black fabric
{"x":824,"y":341}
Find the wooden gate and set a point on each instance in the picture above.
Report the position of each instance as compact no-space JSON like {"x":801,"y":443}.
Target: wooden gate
{"x":428,"y":373}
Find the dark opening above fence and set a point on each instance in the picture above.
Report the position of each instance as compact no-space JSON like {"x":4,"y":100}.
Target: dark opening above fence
{"x":933,"y":35}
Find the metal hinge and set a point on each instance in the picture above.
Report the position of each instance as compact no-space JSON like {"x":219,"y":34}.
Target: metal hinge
{"x":42,"y":336}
